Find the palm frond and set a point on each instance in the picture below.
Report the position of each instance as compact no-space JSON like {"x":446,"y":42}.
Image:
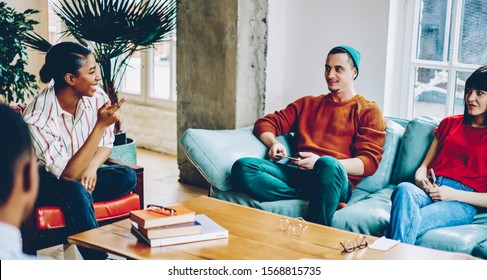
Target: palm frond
{"x":36,"y":42}
{"x":115,"y":29}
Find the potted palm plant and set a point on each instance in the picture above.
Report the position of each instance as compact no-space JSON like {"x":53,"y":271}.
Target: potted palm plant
{"x":114,"y":30}
{"x":15,"y":82}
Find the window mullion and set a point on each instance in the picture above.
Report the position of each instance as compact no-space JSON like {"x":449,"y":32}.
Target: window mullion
{"x":413,"y":58}
{"x":453,"y":61}
{"x":448,"y":29}
{"x":147,"y":69}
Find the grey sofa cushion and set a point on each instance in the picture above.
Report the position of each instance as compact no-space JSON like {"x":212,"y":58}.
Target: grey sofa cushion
{"x":416,"y":141}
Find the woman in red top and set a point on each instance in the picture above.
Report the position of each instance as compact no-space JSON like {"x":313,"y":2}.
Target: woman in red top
{"x":458,"y":155}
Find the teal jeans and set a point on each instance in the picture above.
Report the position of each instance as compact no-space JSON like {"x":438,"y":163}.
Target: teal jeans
{"x":324,"y":186}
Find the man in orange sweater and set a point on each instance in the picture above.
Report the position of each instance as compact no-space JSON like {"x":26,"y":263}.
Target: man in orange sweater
{"x":339,"y":141}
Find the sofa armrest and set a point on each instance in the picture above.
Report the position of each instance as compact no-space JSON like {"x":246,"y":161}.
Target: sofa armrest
{"x":213,"y":152}
{"x":139,"y":170}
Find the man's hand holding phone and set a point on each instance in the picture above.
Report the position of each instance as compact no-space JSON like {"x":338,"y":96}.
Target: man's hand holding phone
{"x":288,"y":157}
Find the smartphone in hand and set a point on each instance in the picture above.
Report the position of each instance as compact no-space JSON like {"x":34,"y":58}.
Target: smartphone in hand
{"x":291,"y":158}
{"x":432,"y":176}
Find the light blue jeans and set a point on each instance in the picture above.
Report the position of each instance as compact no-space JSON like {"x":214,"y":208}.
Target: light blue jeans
{"x":413,"y":212}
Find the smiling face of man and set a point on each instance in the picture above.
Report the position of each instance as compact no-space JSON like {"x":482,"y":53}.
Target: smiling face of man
{"x":339,"y":73}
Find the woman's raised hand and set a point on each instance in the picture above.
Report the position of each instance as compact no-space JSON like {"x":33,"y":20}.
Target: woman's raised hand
{"x":108,"y":114}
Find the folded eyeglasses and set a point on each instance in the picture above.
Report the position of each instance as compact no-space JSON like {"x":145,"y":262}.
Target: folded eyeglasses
{"x":350,"y":245}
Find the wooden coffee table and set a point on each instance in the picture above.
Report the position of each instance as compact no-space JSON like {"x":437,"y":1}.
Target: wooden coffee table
{"x":254,"y":234}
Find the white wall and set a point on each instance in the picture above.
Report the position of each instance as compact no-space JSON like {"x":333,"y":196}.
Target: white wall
{"x":302,"y":32}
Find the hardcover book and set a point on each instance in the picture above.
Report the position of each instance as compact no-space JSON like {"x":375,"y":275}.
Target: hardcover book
{"x":209,"y":231}
{"x":170,"y":230}
{"x":149,"y":218}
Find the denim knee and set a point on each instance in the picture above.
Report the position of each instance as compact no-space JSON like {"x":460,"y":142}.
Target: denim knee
{"x":129,"y":176}
{"x":76,"y":191}
{"x":404,"y":188}
{"x":122,"y":176}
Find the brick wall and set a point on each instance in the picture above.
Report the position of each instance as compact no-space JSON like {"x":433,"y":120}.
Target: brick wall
{"x":152,"y":128}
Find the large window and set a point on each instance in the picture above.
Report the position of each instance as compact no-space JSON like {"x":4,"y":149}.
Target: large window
{"x":448,"y":45}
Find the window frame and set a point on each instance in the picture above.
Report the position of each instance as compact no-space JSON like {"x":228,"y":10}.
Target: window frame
{"x":147,"y":81}
{"x":452,"y":65}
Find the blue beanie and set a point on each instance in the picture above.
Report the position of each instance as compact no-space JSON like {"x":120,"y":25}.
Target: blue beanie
{"x":355,"y":56}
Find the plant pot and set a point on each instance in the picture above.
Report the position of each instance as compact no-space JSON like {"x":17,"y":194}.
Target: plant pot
{"x":125,"y":152}
{"x":120,"y":138}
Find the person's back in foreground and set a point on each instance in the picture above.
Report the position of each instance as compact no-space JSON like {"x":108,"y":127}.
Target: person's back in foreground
{"x":19,"y":182}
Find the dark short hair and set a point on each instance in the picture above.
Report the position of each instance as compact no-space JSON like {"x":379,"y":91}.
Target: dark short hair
{"x":14,"y":144}
{"x":61,"y":59}
{"x":478,"y":81}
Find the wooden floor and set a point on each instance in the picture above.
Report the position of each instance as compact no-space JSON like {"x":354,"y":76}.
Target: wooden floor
{"x":161,"y":175}
{"x":161,"y":186}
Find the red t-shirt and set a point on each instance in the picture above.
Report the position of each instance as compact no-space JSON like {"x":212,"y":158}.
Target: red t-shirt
{"x":462,"y":153}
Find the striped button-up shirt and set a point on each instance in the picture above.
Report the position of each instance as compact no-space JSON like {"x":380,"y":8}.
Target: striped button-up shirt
{"x":57,"y":135}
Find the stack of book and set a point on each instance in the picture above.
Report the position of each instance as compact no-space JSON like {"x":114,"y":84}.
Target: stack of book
{"x":162,"y":228}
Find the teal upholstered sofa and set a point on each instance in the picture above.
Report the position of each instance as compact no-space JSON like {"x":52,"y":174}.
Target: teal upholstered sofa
{"x":213,"y":152}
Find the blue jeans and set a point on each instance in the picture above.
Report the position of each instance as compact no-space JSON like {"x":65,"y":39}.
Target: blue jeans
{"x":77,"y":203}
{"x":324,"y":186}
{"x":413,"y":212}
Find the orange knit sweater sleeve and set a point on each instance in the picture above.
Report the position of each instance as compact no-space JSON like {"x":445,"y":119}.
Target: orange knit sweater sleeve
{"x":370,"y":137}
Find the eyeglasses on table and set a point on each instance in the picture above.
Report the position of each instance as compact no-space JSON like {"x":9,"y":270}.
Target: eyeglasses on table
{"x":297,"y":225}
{"x":350,"y":245}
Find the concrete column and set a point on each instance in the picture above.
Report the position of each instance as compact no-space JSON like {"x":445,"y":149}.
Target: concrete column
{"x":221,"y":61}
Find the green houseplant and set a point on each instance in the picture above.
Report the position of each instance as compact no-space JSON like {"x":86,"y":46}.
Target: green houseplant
{"x":15,"y":82}
{"x":114,"y":30}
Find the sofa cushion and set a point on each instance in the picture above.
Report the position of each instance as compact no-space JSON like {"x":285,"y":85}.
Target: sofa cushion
{"x":380,"y":179}
{"x":213,"y":152}
{"x":368,"y":216}
{"x":481,"y":250}
{"x":416,"y":141}
{"x":464,"y":239}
